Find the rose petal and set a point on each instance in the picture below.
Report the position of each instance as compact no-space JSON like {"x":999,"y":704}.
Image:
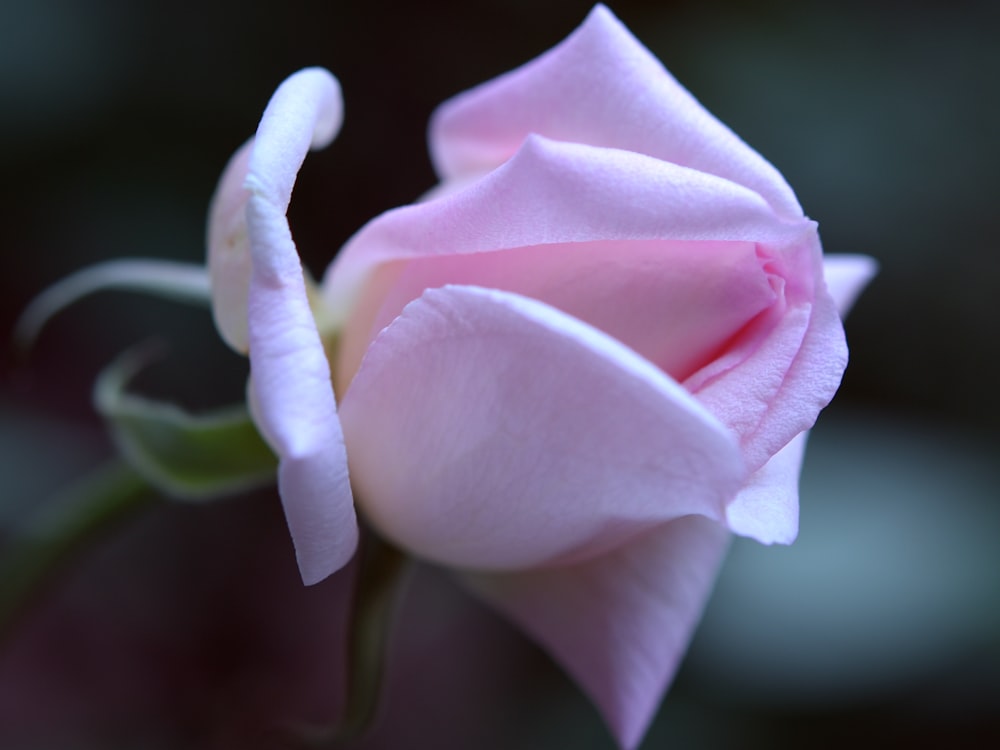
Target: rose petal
{"x":781,"y":383}
{"x":619,"y":623}
{"x":490,"y":431}
{"x":602,"y":87}
{"x":229,"y":251}
{"x":677,"y":303}
{"x":846,"y":276}
{"x":276,"y":163}
{"x":552,"y":192}
{"x":767,"y":508}
{"x":292,"y":393}
{"x":305,"y":112}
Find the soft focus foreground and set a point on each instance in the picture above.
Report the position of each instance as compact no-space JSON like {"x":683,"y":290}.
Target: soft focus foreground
{"x":966,"y":627}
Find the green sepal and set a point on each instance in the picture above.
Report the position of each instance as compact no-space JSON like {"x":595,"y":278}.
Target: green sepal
{"x":186,"y":456}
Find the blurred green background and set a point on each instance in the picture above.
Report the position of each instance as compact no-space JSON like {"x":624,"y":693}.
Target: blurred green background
{"x":879,"y":627}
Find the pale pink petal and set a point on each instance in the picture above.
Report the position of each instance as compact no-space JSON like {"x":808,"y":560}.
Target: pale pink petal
{"x":552,"y":192}
{"x":770,"y":390}
{"x":846,"y":276}
{"x":489,"y":431}
{"x":292,"y":393}
{"x":767,"y":508}
{"x":675,"y":302}
{"x":305,"y":113}
{"x":601,"y":87}
{"x":229,"y":251}
{"x":620,"y":623}
{"x":276,"y":164}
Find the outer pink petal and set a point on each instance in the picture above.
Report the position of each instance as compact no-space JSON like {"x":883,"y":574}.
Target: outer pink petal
{"x":601,"y":87}
{"x":620,"y":623}
{"x":552,"y":192}
{"x":490,"y":431}
{"x":767,"y":508}
{"x":846,"y":276}
{"x":292,"y":393}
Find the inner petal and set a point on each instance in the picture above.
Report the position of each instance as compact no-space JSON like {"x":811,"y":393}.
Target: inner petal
{"x":677,"y":303}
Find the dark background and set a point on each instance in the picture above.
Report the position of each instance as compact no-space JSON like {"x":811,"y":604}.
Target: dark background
{"x":880,"y":625}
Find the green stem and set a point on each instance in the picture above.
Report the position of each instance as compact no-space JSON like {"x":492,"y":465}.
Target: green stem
{"x":378,"y":584}
{"x":52,"y":538}
{"x":379,"y":581}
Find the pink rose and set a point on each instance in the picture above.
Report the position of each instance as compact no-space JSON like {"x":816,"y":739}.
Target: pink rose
{"x":570,"y":373}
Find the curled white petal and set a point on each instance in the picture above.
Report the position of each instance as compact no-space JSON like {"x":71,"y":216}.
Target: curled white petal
{"x":292,"y":391}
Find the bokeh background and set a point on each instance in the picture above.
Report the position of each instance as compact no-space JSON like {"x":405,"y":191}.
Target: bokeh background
{"x":880,"y":627}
